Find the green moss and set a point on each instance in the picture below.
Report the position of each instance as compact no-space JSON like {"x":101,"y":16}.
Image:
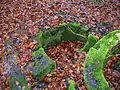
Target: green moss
{"x":115,"y":50}
{"x":71,"y":85}
{"x":65,"y":32}
{"x":97,"y":59}
{"x":90,"y":43}
{"x":74,"y":32}
{"x":42,"y":64}
{"x":22,"y":83}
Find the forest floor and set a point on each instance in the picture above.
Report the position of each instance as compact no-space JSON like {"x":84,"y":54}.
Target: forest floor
{"x":20,"y":20}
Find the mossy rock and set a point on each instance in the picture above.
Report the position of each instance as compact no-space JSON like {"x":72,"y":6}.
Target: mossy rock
{"x":96,"y":60}
{"x":18,"y":82}
{"x":42,"y":64}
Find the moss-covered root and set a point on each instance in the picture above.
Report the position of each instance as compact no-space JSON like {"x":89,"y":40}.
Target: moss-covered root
{"x":18,"y":82}
{"x":90,"y":43}
{"x":71,"y":85}
{"x":42,"y":64}
{"x":96,"y":60}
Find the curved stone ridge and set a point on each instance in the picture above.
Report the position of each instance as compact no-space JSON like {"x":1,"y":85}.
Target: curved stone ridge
{"x":71,"y":32}
{"x":65,"y":32}
{"x":96,"y":60}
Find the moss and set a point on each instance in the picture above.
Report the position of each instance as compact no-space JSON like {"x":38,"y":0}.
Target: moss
{"x":97,"y":59}
{"x":65,"y":32}
{"x":22,"y":83}
{"x":71,"y":85}
{"x":42,"y":64}
{"x":74,"y":32}
{"x":90,"y":43}
{"x":115,"y":50}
